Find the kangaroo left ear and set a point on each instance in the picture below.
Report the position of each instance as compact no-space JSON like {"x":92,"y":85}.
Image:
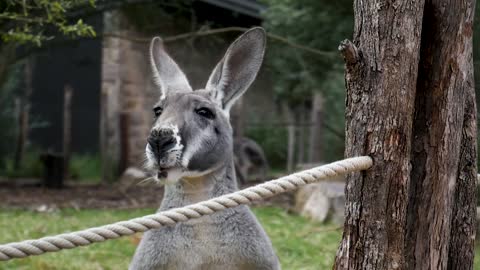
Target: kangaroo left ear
{"x":236,"y":71}
{"x":166,"y":73}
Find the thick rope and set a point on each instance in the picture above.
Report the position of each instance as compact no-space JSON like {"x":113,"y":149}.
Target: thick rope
{"x":173,"y":216}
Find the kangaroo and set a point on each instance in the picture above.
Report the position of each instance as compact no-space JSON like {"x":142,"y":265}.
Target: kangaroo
{"x":190,"y":147}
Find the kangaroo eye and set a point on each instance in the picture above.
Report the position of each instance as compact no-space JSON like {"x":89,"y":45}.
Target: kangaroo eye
{"x":205,"y":112}
{"x":157,"y":111}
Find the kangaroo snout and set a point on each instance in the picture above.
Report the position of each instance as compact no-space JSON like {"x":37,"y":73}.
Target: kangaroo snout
{"x":161,"y":141}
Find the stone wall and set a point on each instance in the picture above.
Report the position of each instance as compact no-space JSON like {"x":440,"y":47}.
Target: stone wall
{"x":124,"y":91}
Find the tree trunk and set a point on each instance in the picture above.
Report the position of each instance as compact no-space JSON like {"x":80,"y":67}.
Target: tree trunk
{"x":288,"y":114}
{"x":415,"y":209}
{"x":381,"y":74}
{"x":23,"y":117}
{"x":440,"y":154}
{"x":463,"y":226}
{"x":316,"y":140}
{"x":301,"y":125}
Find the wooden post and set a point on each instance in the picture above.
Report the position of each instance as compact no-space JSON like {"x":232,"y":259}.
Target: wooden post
{"x":67,"y":129}
{"x":287,"y":112}
{"x":23,"y":117}
{"x":18,"y":134}
{"x":300,"y":128}
{"x":124,"y":141}
{"x":316,"y":129}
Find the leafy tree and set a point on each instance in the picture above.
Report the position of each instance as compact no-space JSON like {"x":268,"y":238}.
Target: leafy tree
{"x":34,"y":21}
{"x":27,"y":24}
{"x":318,"y":24}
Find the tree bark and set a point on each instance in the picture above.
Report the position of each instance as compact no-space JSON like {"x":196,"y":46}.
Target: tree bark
{"x":415,"y":209}
{"x":463,"y":228}
{"x":443,"y":156}
{"x":381,"y":74}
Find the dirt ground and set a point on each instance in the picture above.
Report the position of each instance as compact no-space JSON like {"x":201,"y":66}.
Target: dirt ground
{"x":28,"y":194}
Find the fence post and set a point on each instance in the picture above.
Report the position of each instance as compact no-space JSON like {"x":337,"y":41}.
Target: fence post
{"x":67,"y":129}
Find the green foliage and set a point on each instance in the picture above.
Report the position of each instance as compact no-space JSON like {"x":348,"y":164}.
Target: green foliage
{"x":34,"y":21}
{"x":334,"y":116}
{"x":85,"y":167}
{"x":31,"y":166}
{"x":300,"y":244}
{"x":319,"y":24}
{"x":272,"y":139}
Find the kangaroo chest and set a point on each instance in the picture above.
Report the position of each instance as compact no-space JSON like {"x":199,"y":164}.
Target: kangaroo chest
{"x":204,"y":244}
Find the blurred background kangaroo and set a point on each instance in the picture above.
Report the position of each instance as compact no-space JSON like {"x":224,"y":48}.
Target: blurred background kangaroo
{"x":190,"y":147}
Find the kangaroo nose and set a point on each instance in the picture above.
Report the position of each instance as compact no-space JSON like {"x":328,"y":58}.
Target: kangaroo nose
{"x":161,"y":142}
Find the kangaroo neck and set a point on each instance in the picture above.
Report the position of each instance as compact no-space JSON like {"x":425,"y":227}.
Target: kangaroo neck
{"x":192,"y":190}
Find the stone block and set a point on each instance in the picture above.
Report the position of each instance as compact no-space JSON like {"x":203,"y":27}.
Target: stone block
{"x":324,"y":201}
{"x":131,"y":176}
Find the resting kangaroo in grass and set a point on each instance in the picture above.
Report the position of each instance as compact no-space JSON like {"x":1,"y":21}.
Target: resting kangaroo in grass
{"x":191,"y":148}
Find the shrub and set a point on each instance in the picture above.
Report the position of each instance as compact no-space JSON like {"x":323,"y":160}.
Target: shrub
{"x":85,"y":167}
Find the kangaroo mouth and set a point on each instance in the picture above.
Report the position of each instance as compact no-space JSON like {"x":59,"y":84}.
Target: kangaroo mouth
{"x":166,"y":163}
{"x":162,"y":172}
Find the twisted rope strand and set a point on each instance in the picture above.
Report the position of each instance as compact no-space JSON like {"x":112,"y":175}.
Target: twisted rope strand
{"x":170,"y":217}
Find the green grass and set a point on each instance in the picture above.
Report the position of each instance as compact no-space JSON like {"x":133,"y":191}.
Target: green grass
{"x":31,"y":166}
{"x":300,"y":244}
{"x":19,"y":225}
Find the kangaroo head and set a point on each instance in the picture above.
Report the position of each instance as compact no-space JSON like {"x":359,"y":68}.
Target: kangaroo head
{"x":192,"y":135}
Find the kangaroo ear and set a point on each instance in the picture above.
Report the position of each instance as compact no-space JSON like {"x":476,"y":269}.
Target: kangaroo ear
{"x":166,"y":73}
{"x":236,"y":71}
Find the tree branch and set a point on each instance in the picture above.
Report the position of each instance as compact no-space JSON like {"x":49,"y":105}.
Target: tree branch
{"x":201,"y":33}
{"x":27,"y":52}
{"x":100,"y":6}
{"x":349,"y":51}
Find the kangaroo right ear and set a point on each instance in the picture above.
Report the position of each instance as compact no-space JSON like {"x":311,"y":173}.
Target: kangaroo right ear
{"x":166,"y":73}
{"x":236,"y":71}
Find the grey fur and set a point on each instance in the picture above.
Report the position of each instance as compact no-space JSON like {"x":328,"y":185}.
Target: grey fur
{"x":201,"y":166}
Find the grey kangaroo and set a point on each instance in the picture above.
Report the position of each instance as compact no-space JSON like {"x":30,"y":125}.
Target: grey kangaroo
{"x":190,"y":147}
